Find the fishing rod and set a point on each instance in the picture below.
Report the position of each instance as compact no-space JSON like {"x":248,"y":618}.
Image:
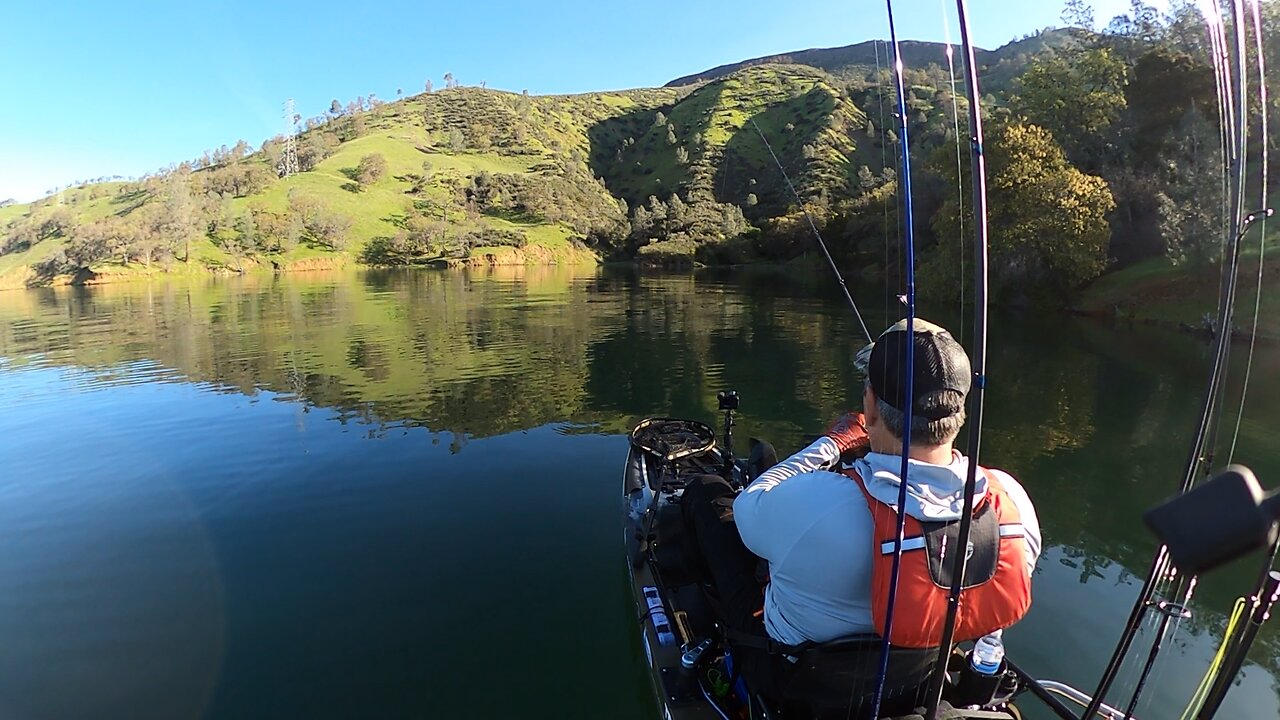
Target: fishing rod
{"x":1264,"y":593}
{"x":908,"y":390}
{"x":1160,"y":563}
{"x":1201,"y":455}
{"x":978,"y":363}
{"x":814,"y":227}
{"x":1263,"y":604}
{"x":955,"y":119}
{"x":1262,"y":237}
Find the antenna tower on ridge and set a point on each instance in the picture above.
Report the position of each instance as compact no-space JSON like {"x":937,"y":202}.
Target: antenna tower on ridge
{"x":289,"y":158}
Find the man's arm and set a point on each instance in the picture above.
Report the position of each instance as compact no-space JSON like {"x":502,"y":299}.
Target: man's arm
{"x":761,"y":511}
{"x":1027,"y":512}
{"x":756,"y":510}
{"x":821,"y":455}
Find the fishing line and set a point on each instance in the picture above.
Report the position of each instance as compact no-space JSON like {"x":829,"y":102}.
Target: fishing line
{"x":1202,"y":690}
{"x":978,"y":361}
{"x":908,"y":369}
{"x":1213,"y":26}
{"x":812,"y":226}
{"x":1262,"y":238}
{"x":1201,"y":449}
{"x":1231,"y":269}
{"x":1152,"y":673}
{"x":955,"y":118}
{"x":884,"y":165}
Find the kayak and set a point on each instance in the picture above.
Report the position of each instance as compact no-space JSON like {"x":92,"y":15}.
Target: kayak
{"x":689,"y":660}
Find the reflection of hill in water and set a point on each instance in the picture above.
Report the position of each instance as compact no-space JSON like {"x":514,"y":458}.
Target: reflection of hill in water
{"x":1096,"y":421}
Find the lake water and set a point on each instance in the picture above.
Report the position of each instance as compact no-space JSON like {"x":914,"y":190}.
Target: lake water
{"x":397,"y":494}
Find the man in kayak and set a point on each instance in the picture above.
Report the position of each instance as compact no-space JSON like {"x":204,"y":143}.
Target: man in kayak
{"x":827,"y":526}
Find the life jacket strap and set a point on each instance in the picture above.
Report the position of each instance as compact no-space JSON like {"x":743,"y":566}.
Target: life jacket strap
{"x":908,"y":544}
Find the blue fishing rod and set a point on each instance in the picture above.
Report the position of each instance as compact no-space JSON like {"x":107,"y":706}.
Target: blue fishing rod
{"x":978,"y":363}
{"x":908,"y":400}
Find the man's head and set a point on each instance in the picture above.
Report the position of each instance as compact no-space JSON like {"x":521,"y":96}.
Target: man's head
{"x":940,"y":383}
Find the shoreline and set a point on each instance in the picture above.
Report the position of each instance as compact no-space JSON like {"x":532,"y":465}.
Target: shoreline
{"x":20,"y":279}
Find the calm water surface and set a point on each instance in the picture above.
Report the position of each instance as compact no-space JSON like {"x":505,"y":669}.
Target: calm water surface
{"x":396,"y":494}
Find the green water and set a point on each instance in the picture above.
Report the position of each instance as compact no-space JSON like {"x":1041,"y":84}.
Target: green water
{"x":396,"y":494}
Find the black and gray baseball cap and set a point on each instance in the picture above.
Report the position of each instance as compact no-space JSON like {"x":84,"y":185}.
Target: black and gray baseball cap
{"x":942,"y":372}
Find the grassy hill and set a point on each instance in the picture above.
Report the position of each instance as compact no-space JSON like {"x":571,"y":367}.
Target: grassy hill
{"x":465,"y":175}
{"x":433,"y":147}
{"x":1157,"y":292}
{"x":997,"y":68}
{"x":716,"y":125}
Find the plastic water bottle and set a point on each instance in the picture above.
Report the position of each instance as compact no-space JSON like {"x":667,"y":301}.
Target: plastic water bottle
{"x":979,"y":683}
{"x":988,"y":654}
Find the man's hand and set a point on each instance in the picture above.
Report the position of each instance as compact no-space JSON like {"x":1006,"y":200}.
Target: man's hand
{"x":850,"y":433}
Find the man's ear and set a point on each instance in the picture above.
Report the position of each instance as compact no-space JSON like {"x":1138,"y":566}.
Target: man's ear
{"x":870,"y":413}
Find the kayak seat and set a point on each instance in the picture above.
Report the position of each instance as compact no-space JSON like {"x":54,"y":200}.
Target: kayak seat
{"x":837,"y":679}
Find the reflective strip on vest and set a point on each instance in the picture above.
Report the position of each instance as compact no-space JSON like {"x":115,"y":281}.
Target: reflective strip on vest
{"x":1011,"y":530}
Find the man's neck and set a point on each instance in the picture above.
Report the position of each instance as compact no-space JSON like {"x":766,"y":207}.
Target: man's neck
{"x":934,"y":455}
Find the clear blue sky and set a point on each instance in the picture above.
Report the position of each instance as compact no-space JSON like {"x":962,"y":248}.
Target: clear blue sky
{"x":126,"y":87}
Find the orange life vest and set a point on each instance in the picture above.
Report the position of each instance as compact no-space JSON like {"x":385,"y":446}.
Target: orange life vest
{"x":997,"y":588}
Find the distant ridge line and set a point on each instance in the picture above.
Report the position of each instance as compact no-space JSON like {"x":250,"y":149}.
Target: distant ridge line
{"x":834,"y":60}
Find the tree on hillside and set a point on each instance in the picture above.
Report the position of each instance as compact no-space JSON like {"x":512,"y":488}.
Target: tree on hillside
{"x":682,"y":156}
{"x":330,"y":230}
{"x":1078,"y":14}
{"x":1141,"y":23}
{"x":429,"y":86}
{"x":245,"y":238}
{"x":866,"y":179}
{"x":1185,"y":28}
{"x":457,"y":141}
{"x":370,"y":168}
{"x":178,"y":223}
{"x":335,"y":108}
{"x":449,"y":82}
{"x":316,"y":147}
{"x":1166,"y":85}
{"x":1193,"y":220}
{"x":1051,"y":219}
{"x":1077,"y":97}
{"x":423,"y":180}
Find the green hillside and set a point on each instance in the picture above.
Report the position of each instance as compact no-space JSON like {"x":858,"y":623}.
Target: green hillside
{"x":997,"y":68}
{"x":234,"y":213}
{"x":794,"y":107}
{"x":1102,"y":154}
{"x":467,"y":175}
